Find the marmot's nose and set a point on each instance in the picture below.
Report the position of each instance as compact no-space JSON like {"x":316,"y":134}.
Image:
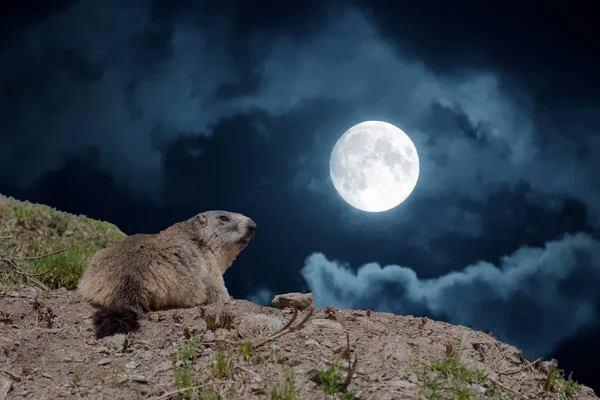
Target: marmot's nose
{"x":251,"y":226}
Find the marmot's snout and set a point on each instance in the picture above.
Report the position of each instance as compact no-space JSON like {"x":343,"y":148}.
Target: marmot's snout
{"x":250,"y":229}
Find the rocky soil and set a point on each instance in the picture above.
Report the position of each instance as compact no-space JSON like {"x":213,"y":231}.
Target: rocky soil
{"x":48,"y":351}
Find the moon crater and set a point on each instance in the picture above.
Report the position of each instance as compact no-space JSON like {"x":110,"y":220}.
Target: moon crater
{"x":374,"y":166}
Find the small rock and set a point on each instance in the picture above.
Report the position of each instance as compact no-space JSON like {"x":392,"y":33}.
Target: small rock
{"x":210,"y":335}
{"x":163,"y":366}
{"x":103,"y":350}
{"x":104,"y":361}
{"x":274,"y":323}
{"x":413,"y":379}
{"x":131,"y":365}
{"x":312,"y":342}
{"x":300,"y":301}
{"x":224,"y":334}
{"x":199,"y":327}
{"x":275,"y":347}
{"x":165,"y":353}
{"x":118,"y":341}
{"x":5,"y":387}
{"x":179,"y":363}
{"x":139,"y":378}
{"x":402,"y":383}
{"x":328,"y":323}
{"x":478,"y":388}
{"x":6,"y":343}
{"x":256,"y":389}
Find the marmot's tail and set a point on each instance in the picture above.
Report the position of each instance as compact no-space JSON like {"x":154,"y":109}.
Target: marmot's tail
{"x":112,"y":320}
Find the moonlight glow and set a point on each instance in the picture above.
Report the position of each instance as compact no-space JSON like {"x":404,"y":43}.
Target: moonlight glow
{"x":374,"y":166}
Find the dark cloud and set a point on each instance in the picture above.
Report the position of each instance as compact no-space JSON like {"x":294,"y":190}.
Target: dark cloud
{"x":145,"y":112}
{"x":129,"y":79}
{"x":544,"y":47}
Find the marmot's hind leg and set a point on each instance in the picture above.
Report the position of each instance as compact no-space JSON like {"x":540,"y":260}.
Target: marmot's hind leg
{"x":123,"y":316}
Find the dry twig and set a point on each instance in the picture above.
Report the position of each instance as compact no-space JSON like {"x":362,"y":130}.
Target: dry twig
{"x":508,"y":389}
{"x":287,"y":328}
{"x":169,"y":394}
{"x":11,"y":262}
{"x":531,"y":364}
{"x":351,"y":369}
{"x":40,"y":257}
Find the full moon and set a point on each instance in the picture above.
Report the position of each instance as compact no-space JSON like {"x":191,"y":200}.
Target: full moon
{"x":374,"y":166}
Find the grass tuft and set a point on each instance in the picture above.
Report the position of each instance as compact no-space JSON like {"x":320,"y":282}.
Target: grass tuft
{"x":248,"y":352}
{"x":287,"y":391}
{"x":222,"y":367}
{"x":566,"y":388}
{"x":30,"y":230}
{"x":448,"y":377}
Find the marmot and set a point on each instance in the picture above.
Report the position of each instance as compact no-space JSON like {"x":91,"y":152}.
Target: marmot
{"x":181,"y":266}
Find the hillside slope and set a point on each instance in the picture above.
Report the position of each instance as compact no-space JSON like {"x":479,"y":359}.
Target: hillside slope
{"x":32,"y":230}
{"x":48,"y":350}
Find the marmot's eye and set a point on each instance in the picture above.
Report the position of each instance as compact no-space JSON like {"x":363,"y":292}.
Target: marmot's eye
{"x":224,"y":218}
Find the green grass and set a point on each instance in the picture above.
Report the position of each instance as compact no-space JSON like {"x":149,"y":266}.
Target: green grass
{"x":248,"y":352}
{"x":114,"y":378}
{"x":222,"y":367}
{"x":331,"y":381}
{"x":186,"y":356}
{"x":30,"y":230}
{"x":76,"y":379}
{"x":191,"y":387}
{"x":567,"y":388}
{"x":449,"y":378}
{"x":287,"y":391}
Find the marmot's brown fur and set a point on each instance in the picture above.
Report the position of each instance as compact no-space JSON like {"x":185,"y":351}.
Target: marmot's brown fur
{"x":182,"y":266}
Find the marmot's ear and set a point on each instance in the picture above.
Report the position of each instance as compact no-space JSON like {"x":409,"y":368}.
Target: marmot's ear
{"x":202,"y":219}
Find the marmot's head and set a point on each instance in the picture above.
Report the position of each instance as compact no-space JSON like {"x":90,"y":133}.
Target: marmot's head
{"x":223,"y":232}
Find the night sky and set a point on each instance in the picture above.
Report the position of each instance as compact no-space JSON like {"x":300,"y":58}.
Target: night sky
{"x":144,"y":113}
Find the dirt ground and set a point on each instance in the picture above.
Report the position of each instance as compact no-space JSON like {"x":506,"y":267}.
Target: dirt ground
{"x":50,"y":355}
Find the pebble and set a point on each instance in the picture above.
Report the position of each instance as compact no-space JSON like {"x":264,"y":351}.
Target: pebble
{"x":163,"y":366}
{"x":131,"y":365}
{"x":199,"y":327}
{"x":256,"y":389}
{"x":413,"y":379}
{"x":139,"y":378}
{"x":478,"y":388}
{"x":402,"y":383}
{"x":5,"y":387}
{"x":274,"y":323}
{"x":179,"y":363}
{"x":103,"y":349}
{"x":293,"y":300}
{"x":328,"y":323}
{"x":118,"y":341}
{"x":104,"y":361}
